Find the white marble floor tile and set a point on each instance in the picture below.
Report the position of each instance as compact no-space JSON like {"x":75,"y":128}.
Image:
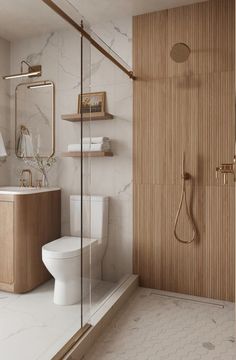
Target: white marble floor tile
{"x":156,"y":325}
{"x":32,"y":326}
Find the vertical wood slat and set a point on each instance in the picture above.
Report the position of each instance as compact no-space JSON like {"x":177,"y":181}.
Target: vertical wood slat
{"x":184,"y":107}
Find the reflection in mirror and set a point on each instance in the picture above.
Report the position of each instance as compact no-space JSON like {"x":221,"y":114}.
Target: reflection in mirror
{"x":35,"y":119}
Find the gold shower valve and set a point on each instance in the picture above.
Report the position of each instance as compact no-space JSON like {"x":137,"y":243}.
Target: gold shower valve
{"x":226,"y":169}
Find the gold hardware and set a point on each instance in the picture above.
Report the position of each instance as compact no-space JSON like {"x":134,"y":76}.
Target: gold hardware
{"x":185,"y":176}
{"x":33,"y":71}
{"x":40,"y":85}
{"x":180,"y":52}
{"x":23,"y":181}
{"x":226,"y":169}
{"x":183,"y":202}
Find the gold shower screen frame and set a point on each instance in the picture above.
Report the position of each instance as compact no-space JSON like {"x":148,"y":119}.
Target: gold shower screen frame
{"x":38,"y":83}
{"x":87,"y":36}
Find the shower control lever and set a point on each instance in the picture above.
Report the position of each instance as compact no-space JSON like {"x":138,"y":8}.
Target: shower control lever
{"x":225,"y":169}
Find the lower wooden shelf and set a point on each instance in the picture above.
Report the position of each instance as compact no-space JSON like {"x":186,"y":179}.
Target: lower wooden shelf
{"x":88,"y":154}
{"x":87,"y":117}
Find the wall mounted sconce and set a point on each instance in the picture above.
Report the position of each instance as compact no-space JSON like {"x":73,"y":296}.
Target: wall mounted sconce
{"x":33,"y":71}
{"x":42,"y":84}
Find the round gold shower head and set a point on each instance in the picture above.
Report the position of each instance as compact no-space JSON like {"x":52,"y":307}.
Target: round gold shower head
{"x":180,"y":52}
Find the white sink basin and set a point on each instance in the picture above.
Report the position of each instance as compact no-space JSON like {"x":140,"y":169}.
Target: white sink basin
{"x":17,"y":190}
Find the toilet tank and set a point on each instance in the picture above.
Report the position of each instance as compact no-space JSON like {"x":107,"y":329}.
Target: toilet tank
{"x":95,"y":216}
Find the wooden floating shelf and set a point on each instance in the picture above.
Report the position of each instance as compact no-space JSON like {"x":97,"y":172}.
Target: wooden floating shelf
{"x":87,"y":117}
{"x":88,"y":154}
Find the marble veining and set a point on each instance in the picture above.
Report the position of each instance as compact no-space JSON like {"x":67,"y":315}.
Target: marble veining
{"x":119,"y":30}
{"x":36,"y":57}
{"x":59,"y":54}
{"x":170,"y":327}
{"x":124,"y":188}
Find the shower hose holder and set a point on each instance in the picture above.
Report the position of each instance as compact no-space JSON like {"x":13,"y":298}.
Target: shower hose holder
{"x":186,"y":176}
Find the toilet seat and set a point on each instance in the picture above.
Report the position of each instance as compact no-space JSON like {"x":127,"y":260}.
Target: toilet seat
{"x":65,"y":247}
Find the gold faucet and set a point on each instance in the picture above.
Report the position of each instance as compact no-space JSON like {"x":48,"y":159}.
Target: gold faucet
{"x":226,"y":169}
{"x":30,"y":182}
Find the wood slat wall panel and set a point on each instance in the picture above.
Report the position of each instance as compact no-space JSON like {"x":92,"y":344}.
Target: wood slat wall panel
{"x":184,"y":107}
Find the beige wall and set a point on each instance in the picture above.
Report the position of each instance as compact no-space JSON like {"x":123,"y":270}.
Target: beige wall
{"x":4,"y":106}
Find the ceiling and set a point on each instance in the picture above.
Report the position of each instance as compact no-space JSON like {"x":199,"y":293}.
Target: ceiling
{"x":28,"y":18}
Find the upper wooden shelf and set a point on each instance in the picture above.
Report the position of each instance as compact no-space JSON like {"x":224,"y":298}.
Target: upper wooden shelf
{"x":87,"y":117}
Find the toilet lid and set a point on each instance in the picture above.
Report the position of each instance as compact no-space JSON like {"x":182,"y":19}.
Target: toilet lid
{"x":65,"y":247}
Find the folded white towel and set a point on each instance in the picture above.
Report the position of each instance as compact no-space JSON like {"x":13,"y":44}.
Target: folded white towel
{"x":95,"y":140}
{"x":90,"y":147}
{"x":3,"y":152}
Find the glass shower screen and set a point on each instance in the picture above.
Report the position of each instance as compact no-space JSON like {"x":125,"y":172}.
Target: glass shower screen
{"x":85,"y":180}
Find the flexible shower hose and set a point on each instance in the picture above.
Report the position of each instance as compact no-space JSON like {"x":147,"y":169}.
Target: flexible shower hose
{"x":183,"y":201}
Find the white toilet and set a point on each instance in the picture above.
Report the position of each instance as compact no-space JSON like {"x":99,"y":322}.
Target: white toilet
{"x":62,"y":257}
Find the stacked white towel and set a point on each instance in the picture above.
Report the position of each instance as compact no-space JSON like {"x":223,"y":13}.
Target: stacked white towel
{"x":92,"y":144}
{"x":95,"y":140}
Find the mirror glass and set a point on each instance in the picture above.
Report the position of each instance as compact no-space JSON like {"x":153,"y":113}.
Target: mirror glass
{"x":35,"y":119}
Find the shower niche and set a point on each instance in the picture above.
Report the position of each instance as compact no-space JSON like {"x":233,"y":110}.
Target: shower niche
{"x":35,"y":119}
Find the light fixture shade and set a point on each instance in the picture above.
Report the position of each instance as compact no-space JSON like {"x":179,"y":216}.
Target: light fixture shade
{"x":16,"y":76}
{"x":3,"y":152}
{"x":40,"y":85}
{"x":33,"y":71}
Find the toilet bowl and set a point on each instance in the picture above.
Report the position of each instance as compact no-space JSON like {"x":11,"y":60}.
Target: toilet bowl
{"x":62,"y":257}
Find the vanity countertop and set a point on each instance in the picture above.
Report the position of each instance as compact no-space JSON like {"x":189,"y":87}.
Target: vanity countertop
{"x":17,"y":190}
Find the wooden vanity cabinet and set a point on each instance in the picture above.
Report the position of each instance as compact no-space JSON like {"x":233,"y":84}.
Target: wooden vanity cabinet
{"x":27,"y":222}
{"x":6,"y":242}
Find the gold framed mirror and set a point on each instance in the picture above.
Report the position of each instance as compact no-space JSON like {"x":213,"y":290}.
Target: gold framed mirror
{"x":35,"y":119}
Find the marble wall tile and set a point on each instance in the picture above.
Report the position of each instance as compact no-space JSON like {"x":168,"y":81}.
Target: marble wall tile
{"x":115,"y":175}
{"x":4,"y":107}
{"x":118,"y":35}
{"x":59,"y":55}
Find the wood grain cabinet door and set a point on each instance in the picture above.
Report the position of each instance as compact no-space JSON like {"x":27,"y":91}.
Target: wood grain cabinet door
{"x":6,"y":242}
